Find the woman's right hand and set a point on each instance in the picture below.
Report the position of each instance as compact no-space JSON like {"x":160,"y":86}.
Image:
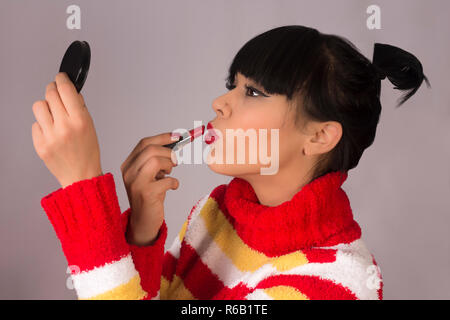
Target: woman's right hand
{"x":143,"y":174}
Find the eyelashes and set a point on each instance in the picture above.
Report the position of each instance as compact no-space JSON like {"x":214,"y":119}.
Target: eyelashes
{"x":248,"y":88}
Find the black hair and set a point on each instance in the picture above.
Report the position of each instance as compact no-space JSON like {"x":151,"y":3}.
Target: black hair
{"x":326,"y":78}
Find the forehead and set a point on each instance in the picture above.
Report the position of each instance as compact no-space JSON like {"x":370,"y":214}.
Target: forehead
{"x":241,"y":78}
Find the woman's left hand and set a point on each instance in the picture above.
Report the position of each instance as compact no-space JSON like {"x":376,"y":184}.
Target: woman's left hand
{"x":64,"y":135}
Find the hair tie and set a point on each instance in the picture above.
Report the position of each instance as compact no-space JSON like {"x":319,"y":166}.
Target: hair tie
{"x":379,"y":57}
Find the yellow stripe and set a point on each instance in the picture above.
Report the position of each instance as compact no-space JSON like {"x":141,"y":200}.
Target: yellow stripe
{"x":242,"y":256}
{"x":174,"y":290}
{"x":285,"y":293}
{"x":164,"y":288}
{"x":182,"y":231}
{"x":289,"y":261}
{"x":131,"y":290}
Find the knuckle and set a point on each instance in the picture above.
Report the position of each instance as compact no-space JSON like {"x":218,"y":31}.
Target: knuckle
{"x":142,"y":142}
{"x":126,"y":178}
{"x":64,"y":86}
{"x":43,"y":152}
{"x":63,"y":135}
{"x":37,"y":104}
{"x":44,"y":155}
{"x":50,"y":92}
{"x":155,"y":162}
{"x":150,"y":150}
{"x":80,"y":124}
{"x":64,"y":131}
{"x":150,"y":166}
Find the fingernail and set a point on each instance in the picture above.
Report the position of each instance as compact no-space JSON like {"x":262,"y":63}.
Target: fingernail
{"x":175,"y":136}
{"x":174,"y":159}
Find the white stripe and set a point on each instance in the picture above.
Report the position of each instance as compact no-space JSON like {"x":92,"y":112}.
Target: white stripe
{"x":176,"y":244}
{"x":351,"y":269}
{"x":197,"y":236}
{"x":103,"y":279}
{"x":258,"y":294}
{"x":175,"y":247}
{"x":199,"y":207}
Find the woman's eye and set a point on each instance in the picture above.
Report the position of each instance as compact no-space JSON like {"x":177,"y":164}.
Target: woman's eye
{"x":247,"y":88}
{"x":249,"y":91}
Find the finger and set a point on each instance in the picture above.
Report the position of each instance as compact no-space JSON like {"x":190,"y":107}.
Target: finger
{"x":147,"y":153}
{"x":43,"y":115}
{"x":167,"y":183}
{"x":69,"y":95}
{"x":37,"y":135}
{"x":158,"y":187}
{"x":150,"y":169}
{"x":161,"y":139}
{"x":54,"y":101}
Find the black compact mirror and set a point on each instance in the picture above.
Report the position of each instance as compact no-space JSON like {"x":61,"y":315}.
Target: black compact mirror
{"x":76,"y":63}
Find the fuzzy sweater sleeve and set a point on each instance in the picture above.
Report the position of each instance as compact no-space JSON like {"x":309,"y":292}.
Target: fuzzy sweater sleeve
{"x":87,"y":220}
{"x":148,"y":260}
{"x":159,"y":279}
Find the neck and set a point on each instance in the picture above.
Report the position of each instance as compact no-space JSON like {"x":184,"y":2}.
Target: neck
{"x":273,"y":190}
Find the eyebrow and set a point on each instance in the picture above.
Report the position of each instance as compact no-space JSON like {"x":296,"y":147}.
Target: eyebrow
{"x":253,"y":84}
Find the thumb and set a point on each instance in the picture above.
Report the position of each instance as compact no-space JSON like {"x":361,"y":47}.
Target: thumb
{"x":170,"y":183}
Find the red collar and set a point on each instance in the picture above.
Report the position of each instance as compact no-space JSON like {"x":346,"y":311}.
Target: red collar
{"x":318,"y":215}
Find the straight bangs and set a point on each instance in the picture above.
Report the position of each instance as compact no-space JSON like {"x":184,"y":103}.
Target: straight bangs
{"x":279,"y":60}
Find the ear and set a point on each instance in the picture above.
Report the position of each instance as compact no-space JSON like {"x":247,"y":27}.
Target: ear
{"x":326,"y":136}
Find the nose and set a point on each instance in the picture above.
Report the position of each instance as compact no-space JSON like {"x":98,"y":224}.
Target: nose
{"x":221,"y":106}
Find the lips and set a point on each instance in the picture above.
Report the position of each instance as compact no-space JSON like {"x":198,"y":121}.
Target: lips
{"x":210,"y":135}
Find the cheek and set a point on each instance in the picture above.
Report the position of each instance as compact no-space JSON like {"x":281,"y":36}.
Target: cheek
{"x":290,"y":145}
{"x":264,"y":118}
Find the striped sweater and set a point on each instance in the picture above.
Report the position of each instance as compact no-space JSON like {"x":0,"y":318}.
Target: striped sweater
{"x":229,"y":247}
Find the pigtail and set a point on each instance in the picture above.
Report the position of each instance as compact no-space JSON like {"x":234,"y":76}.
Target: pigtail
{"x":402,"y":69}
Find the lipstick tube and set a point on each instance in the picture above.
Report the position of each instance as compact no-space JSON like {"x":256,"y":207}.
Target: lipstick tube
{"x":187,"y":138}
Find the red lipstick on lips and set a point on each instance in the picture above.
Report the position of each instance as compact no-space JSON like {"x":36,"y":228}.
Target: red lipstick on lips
{"x":210,"y":136}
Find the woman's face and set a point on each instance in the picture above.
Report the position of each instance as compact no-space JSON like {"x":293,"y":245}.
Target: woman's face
{"x":241,"y":113}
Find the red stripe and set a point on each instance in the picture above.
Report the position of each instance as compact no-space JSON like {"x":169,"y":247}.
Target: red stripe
{"x":196,"y":276}
{"x":169,"y":266}
{"x":314,"y":287}
{"x":148,"y":261}
{"x":218,"y":195}
{"x":320,"y":255}
{"x":237,"y":293}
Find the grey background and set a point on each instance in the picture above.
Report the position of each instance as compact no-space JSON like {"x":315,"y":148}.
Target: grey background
{"x":158,"y":65}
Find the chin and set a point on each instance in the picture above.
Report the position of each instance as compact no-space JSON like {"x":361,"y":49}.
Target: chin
{"x":232,"y":169}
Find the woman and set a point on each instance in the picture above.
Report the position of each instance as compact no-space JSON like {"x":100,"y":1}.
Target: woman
{"x":287,"y":235}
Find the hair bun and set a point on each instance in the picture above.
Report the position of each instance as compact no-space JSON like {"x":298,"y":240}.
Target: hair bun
{"x":402,"y":68}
